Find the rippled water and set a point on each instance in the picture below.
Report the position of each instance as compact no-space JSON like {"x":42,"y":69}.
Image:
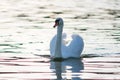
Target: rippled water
{"x":26,"y":30}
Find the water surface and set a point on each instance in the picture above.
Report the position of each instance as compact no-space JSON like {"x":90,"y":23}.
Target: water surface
{"x":26,"y":30}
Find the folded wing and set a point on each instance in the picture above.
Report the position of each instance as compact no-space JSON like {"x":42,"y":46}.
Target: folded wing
{"x":76,"y":46}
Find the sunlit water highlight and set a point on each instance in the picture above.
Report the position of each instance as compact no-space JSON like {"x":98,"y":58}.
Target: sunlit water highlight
{"x":26,"y":30}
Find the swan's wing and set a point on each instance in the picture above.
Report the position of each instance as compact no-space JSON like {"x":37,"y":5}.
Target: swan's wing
{"x":76,"y":46}
{"x":52,"y":46}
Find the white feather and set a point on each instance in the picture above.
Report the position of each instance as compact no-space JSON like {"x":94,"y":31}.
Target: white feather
{"x":73,"y":48}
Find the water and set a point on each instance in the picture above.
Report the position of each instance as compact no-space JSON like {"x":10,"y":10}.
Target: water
{"x":26,"y":30}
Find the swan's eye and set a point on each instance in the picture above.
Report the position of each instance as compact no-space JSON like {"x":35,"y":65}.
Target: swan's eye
{"x":56,"y":21}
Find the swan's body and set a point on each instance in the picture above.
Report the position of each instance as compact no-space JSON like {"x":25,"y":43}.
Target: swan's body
{"x":59,"y":49}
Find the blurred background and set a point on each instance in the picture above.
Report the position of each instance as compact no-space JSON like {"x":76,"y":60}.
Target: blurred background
{"x":26,"y":26}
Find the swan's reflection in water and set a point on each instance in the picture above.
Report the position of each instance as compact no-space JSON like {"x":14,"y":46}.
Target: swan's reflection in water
{"x":68,"y":69}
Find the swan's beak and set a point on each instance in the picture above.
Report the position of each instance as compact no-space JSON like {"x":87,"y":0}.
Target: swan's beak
{"x":56,"y":24}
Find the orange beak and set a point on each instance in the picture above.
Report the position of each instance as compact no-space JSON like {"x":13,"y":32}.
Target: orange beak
{"x":56,"y":24}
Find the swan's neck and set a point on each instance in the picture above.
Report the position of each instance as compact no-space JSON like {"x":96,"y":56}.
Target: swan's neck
{"x":58,"y":52}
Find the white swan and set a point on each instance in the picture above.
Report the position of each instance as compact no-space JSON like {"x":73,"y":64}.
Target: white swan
{"x":59,"y":49}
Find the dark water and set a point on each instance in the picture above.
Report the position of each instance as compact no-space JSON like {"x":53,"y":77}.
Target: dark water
{"x":26,"y":30}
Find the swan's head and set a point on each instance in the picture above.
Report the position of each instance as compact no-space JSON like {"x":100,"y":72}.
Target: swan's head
{"x":59,"y":22}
